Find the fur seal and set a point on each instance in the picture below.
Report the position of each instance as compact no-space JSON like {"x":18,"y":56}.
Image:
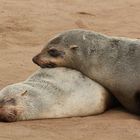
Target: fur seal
{"x":53,"y":93}
{"x":114,"y":62}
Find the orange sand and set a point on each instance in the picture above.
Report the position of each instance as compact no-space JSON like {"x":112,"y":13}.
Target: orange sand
{"x":26,"y":25}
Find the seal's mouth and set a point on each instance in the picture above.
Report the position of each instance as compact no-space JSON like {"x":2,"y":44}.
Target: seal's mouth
{"x":49,"y":65}
{"x":43,"y":64}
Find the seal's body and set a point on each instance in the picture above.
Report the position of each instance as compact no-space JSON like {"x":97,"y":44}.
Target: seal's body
{"x":114,"y":62}
{"x":53,"y":93}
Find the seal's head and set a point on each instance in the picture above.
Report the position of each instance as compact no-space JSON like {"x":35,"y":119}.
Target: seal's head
{"x":61,"y":51}
{"x":11,"y":107}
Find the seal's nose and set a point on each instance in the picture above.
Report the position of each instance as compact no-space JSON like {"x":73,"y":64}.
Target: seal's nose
{"x":38,"y":60}
{"x":35,"y":59}
{"x":8,"y":115}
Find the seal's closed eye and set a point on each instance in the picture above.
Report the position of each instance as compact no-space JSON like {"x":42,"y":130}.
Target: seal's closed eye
{"x":55,"y":53}
{"x":11,"y":101}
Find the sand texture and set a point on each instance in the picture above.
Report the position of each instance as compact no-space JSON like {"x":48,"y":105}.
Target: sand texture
{"x":26,"y":25}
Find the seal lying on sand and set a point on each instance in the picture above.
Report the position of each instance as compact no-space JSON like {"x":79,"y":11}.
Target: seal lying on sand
{"x":53,"y":93}
{"x":114,"y":62}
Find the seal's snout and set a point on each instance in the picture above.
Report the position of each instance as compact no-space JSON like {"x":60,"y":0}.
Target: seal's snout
{"x":8,"y":115}
{"x":36,"y":60}
{"x":43,"y":64}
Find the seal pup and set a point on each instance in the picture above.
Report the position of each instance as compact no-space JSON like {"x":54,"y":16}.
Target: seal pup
{"x":114,"y":62}
{"x":53,"y":93}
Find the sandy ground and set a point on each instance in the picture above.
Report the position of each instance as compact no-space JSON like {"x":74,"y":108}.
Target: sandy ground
{"x":26,"y":25}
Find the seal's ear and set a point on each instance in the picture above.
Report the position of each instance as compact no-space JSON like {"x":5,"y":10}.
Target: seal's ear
{"x":24,"y":93}
{"x":73,"y":47}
